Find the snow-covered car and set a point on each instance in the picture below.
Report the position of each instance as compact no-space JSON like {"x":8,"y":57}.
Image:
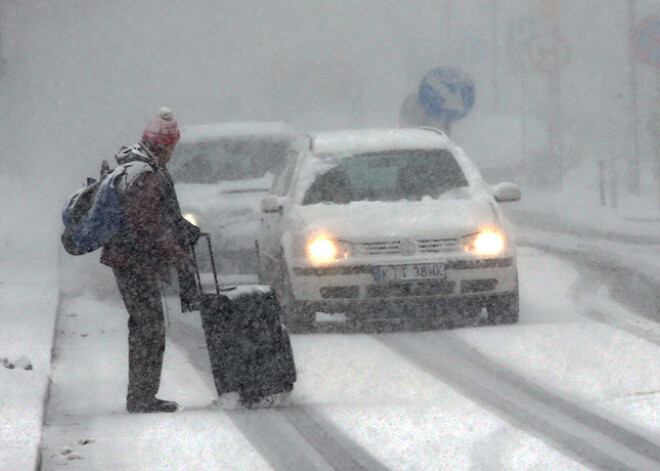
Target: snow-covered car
{"x":387,"y":225}
{"x":221,"y":172}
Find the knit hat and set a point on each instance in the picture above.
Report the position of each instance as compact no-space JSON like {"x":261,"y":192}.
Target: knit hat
{"x":162,"y":130}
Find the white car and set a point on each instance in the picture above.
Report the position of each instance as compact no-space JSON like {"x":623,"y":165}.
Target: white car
{"x":387,"y":226}
{"x":221,"y":172}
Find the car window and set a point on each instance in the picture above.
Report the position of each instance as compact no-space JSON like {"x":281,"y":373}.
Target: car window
{"x":392,"y":176}
{"x":229,"y":159}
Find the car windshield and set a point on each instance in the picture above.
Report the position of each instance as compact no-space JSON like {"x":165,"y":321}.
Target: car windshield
{"x":387,"y":176}
{"x":232,"y":159}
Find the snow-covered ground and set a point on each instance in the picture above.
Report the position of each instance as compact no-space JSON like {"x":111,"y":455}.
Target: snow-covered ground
{"x":373,"y":395}
{"x":387,"y":411}
{"x":28,"y":304}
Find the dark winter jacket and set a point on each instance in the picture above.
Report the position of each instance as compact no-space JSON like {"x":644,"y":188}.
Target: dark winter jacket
{"x":155,"y":235}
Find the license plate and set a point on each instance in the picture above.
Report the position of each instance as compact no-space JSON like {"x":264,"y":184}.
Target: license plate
{"x":410,"y":271}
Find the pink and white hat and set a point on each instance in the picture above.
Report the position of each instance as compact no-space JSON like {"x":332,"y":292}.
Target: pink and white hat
{"x":163,"y":130}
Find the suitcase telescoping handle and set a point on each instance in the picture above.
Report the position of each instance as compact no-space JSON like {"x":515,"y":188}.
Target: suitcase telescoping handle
{"x":198,"y":278}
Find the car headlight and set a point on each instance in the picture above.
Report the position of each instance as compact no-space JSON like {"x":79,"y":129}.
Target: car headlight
{"x":191,"y":218}
{"x":488,"y":242}
{"x":323,"y":249}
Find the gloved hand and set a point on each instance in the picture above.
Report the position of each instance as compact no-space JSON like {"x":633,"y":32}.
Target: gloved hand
{"x":185,"y":263}
{"x":192,"y":233}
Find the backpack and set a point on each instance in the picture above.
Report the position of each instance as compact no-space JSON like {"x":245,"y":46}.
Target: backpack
{"x":94,"y":213}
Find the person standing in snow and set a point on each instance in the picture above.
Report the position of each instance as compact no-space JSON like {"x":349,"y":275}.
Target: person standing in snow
{"x":154,"y":238}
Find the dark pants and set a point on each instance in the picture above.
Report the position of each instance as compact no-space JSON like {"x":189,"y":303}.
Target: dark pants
{"x":146,"y":332}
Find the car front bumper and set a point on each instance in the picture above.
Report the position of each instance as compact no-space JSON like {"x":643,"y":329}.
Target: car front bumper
{"x":352,"y":285}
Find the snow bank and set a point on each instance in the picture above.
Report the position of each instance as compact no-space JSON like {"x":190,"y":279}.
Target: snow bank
{"x":28,"y":306}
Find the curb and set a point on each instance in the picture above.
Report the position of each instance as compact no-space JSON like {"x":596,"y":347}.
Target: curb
{"x":47,"y":392}
{"x":552,"y":223}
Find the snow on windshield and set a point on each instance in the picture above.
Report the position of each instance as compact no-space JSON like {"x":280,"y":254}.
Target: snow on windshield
{"x":389,"y":176}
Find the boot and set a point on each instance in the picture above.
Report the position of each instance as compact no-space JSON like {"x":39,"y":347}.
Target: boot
{"x":152,"y":404}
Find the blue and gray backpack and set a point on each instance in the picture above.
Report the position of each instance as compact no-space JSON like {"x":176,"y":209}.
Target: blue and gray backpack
{"x":94,"y":214}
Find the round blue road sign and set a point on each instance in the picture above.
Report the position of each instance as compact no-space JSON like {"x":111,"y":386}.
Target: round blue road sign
{"x":446,"y":94}
{"x":646,"y":39}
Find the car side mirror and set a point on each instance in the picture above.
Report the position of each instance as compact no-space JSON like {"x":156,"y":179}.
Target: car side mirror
{"x":505,"y":192}
{"x":271,"y":204}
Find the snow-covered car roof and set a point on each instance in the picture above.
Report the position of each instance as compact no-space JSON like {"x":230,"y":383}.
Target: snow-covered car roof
{"x":212,"y":131}
{"x":358,"y":141}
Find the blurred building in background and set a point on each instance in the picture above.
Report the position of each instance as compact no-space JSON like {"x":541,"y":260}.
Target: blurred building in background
{"x":88,"y":75}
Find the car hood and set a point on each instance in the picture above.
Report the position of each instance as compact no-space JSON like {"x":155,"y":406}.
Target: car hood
{"x":372,"y":221}
{"x":213,"y":200}
{"x":231,"y":209}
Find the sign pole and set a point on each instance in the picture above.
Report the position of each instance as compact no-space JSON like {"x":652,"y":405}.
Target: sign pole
{"x":633,"y":161}
{"x":645,"y":46}
{"x":656,"y":132}
{"x":530,"y":161}
{"x":447,"y":128}
{"x":494,"y":22}
{"x":449,"y":20}
{"x":2,"y":61}
{"x":549,"y":53}
{"x":554,"y":79}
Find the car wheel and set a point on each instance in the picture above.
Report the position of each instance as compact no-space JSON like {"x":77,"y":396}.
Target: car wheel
{"x":504,"y":308}
{"x":297,"y":317}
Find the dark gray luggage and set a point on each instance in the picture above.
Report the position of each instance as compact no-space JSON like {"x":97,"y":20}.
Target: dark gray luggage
{"x":249,"y":348}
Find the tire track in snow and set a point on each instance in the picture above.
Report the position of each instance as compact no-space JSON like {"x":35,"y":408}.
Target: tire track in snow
{"x":290,"y":438}
{"x":599,"y":315}
{"x":343,"y":453}
{"x":297,"y":438}
{"x":574,"y":430}
{"x":277,"y":441}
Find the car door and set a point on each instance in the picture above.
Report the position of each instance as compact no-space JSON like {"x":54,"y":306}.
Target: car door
{"x":271,"y":220}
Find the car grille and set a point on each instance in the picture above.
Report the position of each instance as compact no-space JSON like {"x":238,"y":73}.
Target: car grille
{"x":437,"y":245}
{"x":477,"y":286}
{"x":391,"y":247}
{"x":402,"y":290}
{"x":340,"y":292}
{"x":369,"y":269}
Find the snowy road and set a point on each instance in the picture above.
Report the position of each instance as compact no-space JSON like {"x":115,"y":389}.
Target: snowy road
{"x":581,"y":433}
{"x":574,"y":386}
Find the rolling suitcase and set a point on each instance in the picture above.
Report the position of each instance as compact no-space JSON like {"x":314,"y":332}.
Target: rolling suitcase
{"x":249,"y":348}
